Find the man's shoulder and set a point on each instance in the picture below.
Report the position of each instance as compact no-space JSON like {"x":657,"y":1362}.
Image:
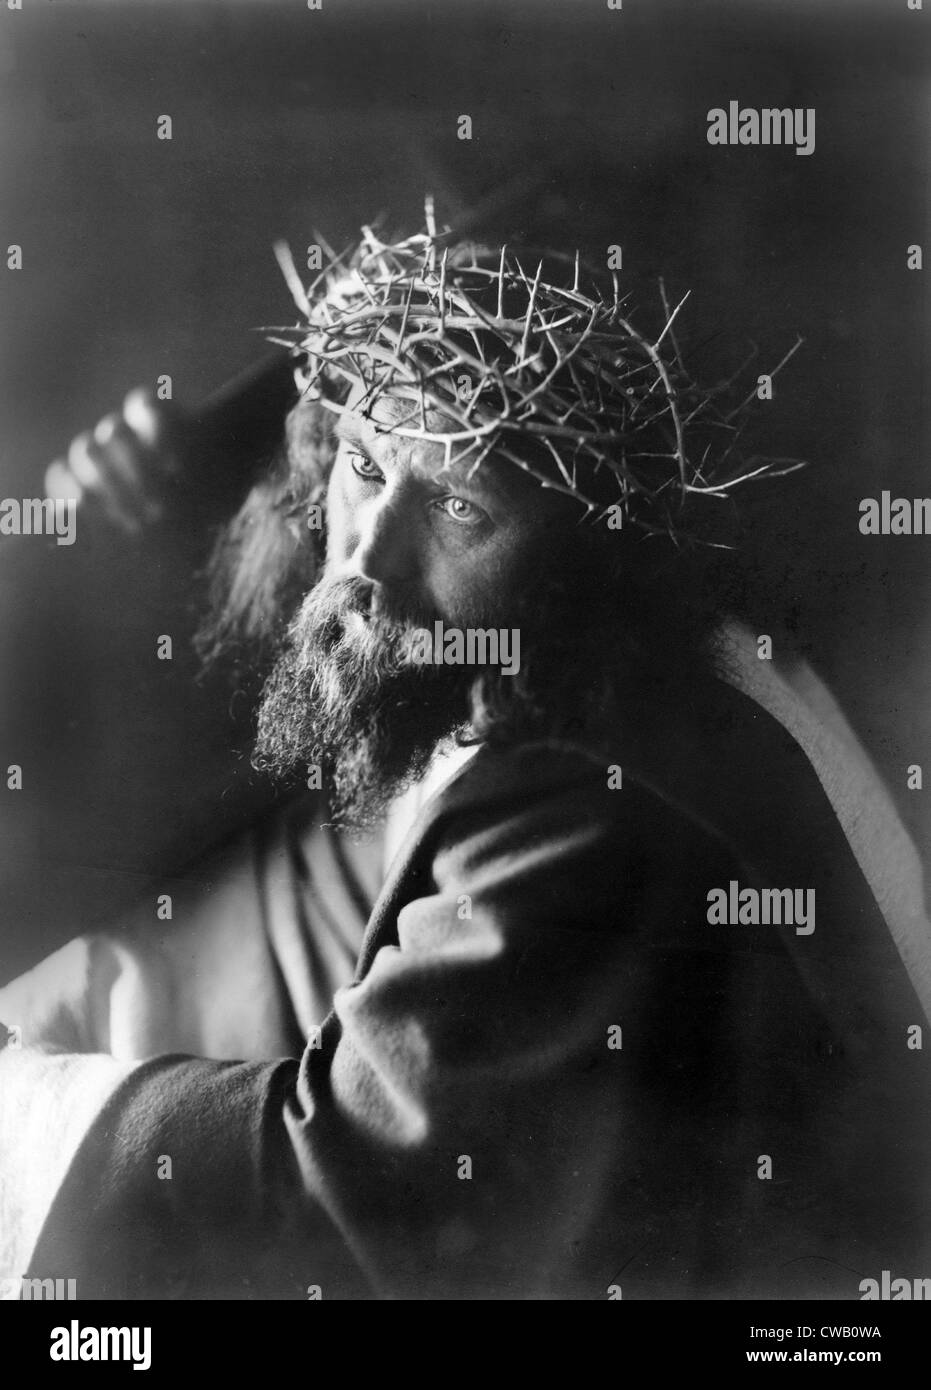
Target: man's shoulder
{"x":715,"y":769}
{"x":700,"y":759}
{"x":553,"y":810}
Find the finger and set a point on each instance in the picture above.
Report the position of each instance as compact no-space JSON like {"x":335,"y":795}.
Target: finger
{"x":61,"y":484}
{"x":151,"y":421}
{"x":86,"y":463}
{"x":128,"y":466}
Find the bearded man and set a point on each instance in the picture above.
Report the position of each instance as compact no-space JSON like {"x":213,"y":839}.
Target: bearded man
{"x":598,"y":976}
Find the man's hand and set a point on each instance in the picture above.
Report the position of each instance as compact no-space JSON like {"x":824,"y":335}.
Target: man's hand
{"x":125,"y":465}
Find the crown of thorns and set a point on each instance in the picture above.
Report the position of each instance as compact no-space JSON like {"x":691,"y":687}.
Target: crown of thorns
{"x":553,"y":377}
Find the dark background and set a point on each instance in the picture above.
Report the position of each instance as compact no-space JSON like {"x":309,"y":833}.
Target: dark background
{"x":144,"y":257}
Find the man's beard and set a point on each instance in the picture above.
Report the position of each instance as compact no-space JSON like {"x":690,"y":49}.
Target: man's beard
{"x":344,"y":695}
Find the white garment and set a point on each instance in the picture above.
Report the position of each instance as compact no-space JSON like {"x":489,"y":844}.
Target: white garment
{"x":789,"y":690}
{"x":405,"y":809}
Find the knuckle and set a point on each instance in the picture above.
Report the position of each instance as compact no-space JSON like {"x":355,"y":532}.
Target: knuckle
{"x":145,"y":418}
{"x":60,"y":481}
{"x":82,"y":464}
{"x":106,"y":428}
{"x":140,"y":398}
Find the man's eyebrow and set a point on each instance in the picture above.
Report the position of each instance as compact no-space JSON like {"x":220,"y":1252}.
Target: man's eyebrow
{"x":356,"y":429}
{"x":482,"y":484}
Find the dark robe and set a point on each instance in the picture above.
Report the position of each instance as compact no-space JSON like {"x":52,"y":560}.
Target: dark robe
{"x":553,"y":1077}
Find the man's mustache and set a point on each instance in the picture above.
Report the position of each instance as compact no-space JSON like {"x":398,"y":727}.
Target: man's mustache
{"x":338,"y":598}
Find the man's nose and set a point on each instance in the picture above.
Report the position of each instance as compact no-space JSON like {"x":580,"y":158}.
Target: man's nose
{"x":386,"y":543}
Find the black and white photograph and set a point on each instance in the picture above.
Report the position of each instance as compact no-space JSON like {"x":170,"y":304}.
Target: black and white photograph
{"x":465,"y":661}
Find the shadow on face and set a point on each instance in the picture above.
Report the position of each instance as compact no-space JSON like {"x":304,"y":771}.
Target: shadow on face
{"x":449,"y":536}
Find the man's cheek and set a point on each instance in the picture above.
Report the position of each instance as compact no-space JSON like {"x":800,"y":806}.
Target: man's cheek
{"x":484,"y":598}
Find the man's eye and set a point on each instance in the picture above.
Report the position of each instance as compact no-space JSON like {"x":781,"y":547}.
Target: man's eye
{"x":466,"y":513}
{"x":364,"y":467}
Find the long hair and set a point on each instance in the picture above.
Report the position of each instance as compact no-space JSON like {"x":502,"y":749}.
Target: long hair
{"x":265,"y":559}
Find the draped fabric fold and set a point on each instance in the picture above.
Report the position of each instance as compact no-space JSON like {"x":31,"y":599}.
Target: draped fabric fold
{"x":550,"y":1073}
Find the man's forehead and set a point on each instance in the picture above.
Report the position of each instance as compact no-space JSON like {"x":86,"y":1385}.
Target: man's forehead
{"x":386,"y":412}
{"x":382,"y":423}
